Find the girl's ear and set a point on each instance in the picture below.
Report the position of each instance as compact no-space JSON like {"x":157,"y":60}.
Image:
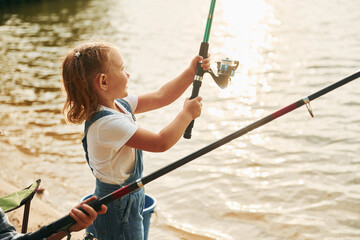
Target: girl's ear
{"x":102,"y":82}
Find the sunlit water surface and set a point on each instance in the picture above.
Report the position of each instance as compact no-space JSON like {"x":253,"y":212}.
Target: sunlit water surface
{"x":295,"y":178}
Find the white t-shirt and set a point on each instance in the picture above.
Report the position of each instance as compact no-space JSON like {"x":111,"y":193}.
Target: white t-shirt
{"x":112,"y":161}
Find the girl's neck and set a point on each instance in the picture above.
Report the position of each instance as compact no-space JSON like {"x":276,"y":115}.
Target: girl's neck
{"x":110,"y":103}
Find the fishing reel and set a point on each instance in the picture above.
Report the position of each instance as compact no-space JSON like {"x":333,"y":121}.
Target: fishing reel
{"x":225,"y":70}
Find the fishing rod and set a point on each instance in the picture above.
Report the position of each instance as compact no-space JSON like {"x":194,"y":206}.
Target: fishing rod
{"x":67,"y":221}
{"x":226,"y":67}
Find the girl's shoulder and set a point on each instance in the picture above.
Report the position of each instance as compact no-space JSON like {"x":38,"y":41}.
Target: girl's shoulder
{"x":131,"y":101}
{"x":125,"y":104}
{"x":113,"y":124}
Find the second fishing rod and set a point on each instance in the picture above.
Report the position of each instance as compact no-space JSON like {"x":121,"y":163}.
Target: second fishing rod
{"x":66,"y":221}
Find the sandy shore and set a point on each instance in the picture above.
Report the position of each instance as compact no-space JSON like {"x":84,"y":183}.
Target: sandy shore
{"x":41,"y":212}
{"x":15,"y":175}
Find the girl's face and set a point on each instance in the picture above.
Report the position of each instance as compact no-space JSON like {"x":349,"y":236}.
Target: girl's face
{"x":117,"y":76}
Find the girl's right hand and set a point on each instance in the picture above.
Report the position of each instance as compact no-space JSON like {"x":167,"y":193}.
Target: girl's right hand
{"x":193,"y":106}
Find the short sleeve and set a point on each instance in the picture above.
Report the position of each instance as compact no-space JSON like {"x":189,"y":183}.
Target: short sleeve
{"x":115,"y":130}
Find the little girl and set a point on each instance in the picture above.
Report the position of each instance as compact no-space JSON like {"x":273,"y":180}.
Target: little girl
{"x":95,"y":82}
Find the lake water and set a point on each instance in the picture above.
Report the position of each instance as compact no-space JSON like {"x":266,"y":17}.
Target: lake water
{"x":295,"y":178}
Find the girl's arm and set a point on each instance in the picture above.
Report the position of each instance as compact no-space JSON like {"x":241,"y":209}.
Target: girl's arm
{"x":169,"y":135}
{"x":172,"y":90}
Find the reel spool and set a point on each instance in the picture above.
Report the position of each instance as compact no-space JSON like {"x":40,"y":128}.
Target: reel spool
{"x":225,"y":70}
{"x":227,"y":67}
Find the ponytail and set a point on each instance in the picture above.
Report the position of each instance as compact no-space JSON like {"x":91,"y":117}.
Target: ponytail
{"x":80,"y":67}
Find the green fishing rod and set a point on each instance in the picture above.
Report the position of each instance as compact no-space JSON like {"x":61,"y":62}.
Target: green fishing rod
{"x":225,"y":68}
{"x":204,"y":47}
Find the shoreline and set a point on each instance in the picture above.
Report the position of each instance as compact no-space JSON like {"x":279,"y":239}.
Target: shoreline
{"x":13,"y":178}
{"x":41,"y":213}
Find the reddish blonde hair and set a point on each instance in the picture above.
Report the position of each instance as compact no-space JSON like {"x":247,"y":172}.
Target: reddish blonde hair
{"x":80,"y":67}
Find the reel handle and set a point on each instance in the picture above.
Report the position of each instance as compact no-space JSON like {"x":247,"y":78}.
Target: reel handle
{"x":204,"y":47}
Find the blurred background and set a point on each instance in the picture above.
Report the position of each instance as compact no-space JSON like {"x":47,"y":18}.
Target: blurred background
{"x":295,"y":178}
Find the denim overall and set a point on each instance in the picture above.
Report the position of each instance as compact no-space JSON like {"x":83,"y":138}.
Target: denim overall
{"x":123,"y":219}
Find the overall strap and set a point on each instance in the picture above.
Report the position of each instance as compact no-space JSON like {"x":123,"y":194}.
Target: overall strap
{"x":126,"y":106}
{"x":96,"y":116}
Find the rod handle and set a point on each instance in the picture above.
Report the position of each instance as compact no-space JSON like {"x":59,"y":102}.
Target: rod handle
{"x":96,"y":204}
{"x":204,"y":47}
{"x":48,"y":230}
{"x":56,"y":226}
{"x":194,"y":94}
